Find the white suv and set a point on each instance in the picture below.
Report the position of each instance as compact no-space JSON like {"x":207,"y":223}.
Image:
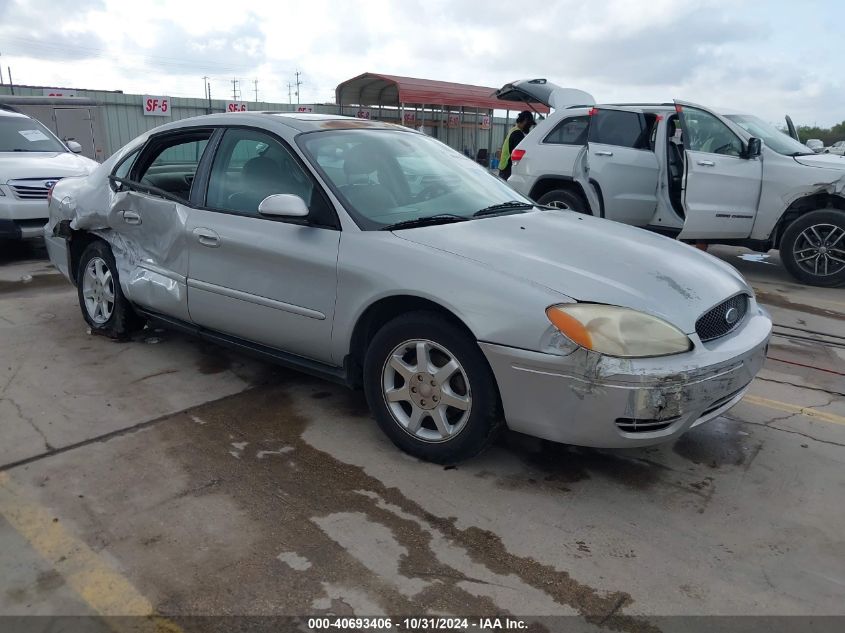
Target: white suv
{"x":686,"y":171}
{"x":32,"y":160}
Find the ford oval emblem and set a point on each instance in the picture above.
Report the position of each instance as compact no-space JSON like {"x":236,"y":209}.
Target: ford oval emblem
{"x":731,"y":316}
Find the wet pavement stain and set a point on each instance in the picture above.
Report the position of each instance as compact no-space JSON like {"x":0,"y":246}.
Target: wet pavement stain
{"x":284,"y":494}
{"x":720,"y":444}
{"x":33,"y":285}
{"x":775,"y":299}
{"x":560,"y":465}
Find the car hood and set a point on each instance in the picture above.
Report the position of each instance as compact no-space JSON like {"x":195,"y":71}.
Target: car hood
{"x":593,"y":260}
{"x":828,"y":161}
{"x":15,"y":165}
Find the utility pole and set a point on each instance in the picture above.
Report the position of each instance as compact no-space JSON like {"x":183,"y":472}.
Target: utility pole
{"x":1,"y":71}
{"x":290,"y":94}
{"x":207,"y":92}
{"x":255,"y":83}
{"x":298,"y":84}
{"x":11,"y":85}
{"x":234,"y":89}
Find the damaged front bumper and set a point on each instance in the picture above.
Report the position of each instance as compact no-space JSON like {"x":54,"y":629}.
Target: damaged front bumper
{"x":591,"y":400}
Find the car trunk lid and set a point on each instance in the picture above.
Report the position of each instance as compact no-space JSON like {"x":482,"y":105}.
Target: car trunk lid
{"x":541,"y":91}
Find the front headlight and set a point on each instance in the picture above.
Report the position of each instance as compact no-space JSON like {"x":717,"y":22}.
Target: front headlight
{"x":616,"y":331}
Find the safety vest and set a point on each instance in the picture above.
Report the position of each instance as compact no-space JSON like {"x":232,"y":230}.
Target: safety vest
{"x":505,"y":158}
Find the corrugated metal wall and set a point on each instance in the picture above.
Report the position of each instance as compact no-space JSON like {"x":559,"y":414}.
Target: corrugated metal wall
{"x":124,"y":119}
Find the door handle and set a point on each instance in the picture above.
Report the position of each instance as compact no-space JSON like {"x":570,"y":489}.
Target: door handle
{"x":130,"y":217}
{"x":604,"y":153}
{"x":706,"y":163}
{"x":207,"y":237}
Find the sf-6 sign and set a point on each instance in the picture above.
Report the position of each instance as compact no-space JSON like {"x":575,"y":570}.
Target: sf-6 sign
{"x":156,"y":106}
{"x":236,"y":106}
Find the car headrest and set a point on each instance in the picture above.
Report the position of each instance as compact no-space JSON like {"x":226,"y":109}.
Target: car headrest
{"x":261,"y":168}
{"x":362,"y":159}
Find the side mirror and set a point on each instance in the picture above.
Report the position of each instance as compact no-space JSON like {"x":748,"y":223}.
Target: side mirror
{"x":755,"y":146}
{"x":75,"y":147}
{"x":283,"y":205}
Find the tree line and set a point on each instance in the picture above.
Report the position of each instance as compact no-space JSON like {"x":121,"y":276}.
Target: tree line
{"x":827,"y":135}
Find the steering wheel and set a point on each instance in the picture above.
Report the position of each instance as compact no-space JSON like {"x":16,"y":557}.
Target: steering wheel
{"x":433,"y":191}
{"x":720,"y":150}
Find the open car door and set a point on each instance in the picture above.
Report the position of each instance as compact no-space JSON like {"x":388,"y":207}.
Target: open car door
{"x":721,"y":181}
{"x":790,"y":128}
{"x":529,"y":91}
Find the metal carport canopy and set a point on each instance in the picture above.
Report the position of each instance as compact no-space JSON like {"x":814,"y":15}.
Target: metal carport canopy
{"x":372,"y":89}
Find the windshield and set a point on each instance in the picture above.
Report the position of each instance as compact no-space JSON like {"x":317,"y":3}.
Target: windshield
{"x":390,"y":176}
{"x":22,"y":134}
{"x":779,"y":141}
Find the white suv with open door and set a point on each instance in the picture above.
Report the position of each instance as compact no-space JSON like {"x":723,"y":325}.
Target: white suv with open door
{"x":684,"y":170}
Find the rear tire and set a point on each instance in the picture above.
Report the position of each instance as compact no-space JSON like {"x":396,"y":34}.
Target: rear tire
{"x":564,"y":199}
{"x":453,"y":412}
{"x":813,"y":248}
{"x":103,"y":305}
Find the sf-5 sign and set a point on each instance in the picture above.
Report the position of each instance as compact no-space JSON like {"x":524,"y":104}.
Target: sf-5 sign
{"x":156,"y":106}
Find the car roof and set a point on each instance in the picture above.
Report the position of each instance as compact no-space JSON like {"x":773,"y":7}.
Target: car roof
{"x":11,"y":113}
{"x":299,"y":121}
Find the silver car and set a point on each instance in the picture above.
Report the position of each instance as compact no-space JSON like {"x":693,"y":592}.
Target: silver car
{"x":378,"y":257}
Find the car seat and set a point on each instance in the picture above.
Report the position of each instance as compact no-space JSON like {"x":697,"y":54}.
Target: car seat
{"x":366,"y":173}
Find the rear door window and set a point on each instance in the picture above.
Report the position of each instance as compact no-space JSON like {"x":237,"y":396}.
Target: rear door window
{"x":619,"y":127}
{"x":570,"y":131}
{"x":170,"y":164}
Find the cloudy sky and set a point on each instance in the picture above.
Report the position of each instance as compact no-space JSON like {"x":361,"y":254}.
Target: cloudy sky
{"x":770,"y":58}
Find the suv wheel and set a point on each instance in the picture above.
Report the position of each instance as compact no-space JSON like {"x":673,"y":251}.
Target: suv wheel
{"x":813,"y":248}
{"x":564,"y":199}
{"x":430,"y":388}
{"x":102,"y":302}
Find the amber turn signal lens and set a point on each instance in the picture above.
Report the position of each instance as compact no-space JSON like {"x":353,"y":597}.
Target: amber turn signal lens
{"x":570,"y":326}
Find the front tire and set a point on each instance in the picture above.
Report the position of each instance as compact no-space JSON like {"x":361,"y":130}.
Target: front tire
{"x":813,"y":248}
{"x":103,"y":305}
{"x":564,"y":199}
{"x":430,"y":388}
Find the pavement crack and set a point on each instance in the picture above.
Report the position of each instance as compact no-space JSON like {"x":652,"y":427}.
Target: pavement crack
{"x":807,"y":387}
{"x":777,"y":428}
{"x":29,"y":421}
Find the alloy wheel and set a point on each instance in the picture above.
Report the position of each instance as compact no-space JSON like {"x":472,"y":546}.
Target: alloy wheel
{"x":98,"y":290}
{"x":820,"y":249}
{"x":426,"y":390}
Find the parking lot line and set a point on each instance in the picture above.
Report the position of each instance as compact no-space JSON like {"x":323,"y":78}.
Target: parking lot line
{"x":102,"y":587}
{"x":792,"y":408}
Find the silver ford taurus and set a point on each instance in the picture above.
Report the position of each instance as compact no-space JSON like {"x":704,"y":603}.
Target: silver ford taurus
{"x":379,"y":257}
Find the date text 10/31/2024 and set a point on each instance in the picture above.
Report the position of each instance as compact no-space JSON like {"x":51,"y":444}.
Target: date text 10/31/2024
{"x":417,"y":624}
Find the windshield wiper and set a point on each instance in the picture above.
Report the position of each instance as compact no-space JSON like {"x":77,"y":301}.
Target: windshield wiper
{"x":503,"y":206}
{"x":429,"y":220}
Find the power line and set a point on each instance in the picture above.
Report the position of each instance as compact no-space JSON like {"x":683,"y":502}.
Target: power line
{"x":99,"y":53}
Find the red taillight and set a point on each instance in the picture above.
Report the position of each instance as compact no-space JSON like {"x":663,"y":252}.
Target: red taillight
{"x":679,"y":107}
{"x":593,"y":112}
{"x":516,"y":155}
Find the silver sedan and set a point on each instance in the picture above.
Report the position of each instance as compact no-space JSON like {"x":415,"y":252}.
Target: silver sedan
{"x":378,"y":257}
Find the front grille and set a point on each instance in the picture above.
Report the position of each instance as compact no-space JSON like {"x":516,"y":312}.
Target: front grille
{"x":722,"y":401}
{"x":632,"y":425}
{"x":31,"y":188}
{"x":722,"y":319}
